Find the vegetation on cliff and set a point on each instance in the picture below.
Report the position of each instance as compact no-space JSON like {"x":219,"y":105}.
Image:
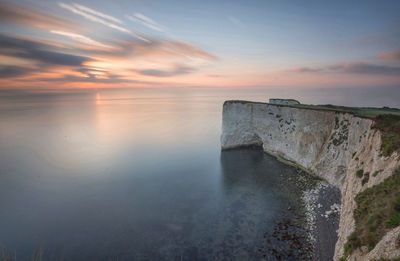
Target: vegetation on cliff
{"x":377,"y":212}
{"x":389,"y":125}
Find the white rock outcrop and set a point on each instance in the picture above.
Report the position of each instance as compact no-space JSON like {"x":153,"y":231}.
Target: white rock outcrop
{"x":330,"y":144}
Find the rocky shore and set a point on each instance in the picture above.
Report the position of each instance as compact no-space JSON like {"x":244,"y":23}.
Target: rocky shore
{"x":322,"y":207}
{"x":308,"y":229}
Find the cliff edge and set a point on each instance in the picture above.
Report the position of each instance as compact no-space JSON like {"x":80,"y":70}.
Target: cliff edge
{"x":335,"y":144}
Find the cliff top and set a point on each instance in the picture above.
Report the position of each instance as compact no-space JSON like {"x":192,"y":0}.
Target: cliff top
{"x":363,"y":112}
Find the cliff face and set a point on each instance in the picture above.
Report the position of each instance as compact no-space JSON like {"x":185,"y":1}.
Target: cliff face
{"x":329,"y":144}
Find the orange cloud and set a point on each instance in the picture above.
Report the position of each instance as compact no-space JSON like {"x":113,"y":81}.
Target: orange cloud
{"x":75,"y":57}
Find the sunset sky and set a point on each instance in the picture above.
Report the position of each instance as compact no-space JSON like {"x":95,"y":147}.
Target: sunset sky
{"x":122,"y":43}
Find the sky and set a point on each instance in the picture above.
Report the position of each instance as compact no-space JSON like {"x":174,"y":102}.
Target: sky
{"x":163,"y":43}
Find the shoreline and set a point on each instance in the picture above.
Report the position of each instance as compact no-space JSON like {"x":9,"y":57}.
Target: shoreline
{"x":322,"y":212}
{"x":322,"y":209}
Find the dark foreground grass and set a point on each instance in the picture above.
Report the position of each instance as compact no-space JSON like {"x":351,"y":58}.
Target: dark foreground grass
{"x":377,"y":212}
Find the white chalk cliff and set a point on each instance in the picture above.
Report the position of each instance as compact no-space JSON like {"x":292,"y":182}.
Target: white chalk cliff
{"x":332,"y":145}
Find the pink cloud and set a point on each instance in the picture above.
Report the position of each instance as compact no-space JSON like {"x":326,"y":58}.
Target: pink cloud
{"x":393,"y":55}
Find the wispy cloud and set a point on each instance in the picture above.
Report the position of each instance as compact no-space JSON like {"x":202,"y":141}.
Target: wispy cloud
{"x":38,"y":52}
{"x":11,"y":71}
{"x":92,"y":79}
{"x":146,"y":21}
{"x":365,"y":68}
{"x":81,"y":39}
{"x":97,"y":13}
{"x":392,"y":55}
{"x":16,"y":14}
{"x":76,"y":10}
{"x":236,"y":21}
{"x":178,"y":70}
{"x":307,"y":70}
{"x":352,"y":68}
{"x":160,"y":49}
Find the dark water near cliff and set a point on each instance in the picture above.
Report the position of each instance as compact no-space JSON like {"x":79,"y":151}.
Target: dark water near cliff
{"x":114,"y":176}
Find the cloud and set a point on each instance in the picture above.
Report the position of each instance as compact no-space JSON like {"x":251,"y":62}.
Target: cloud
{"x":163,"y":49}
{"x":188,"y":50}
{"x":393,"y":56}
{"x":84,"y":58}
{"x":236,"y":22}
{"x":178,"y":70}
{"x":85,"y":70}
{"x":365,"y":68}
{"x":307,"y":70}
{"x":97,"y":13}
{"x":89,"y":15}
{"x":14,"y":71}
{"x":146,"y":21}
{"x":81,"y":38}
{"x":37,"y":51}
{"x":16,"y":14}
{"x":111,"y":80}
{"x":352,"y":68}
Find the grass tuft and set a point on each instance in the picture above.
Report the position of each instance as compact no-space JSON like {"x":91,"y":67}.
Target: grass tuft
{"x":376,"y":173}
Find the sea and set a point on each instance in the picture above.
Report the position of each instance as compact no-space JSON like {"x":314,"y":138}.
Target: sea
{"x":138,"y":174}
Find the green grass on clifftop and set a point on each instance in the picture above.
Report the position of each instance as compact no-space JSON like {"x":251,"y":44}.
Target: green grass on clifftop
{"x":377,"y":212}
{"x":362,"y":112}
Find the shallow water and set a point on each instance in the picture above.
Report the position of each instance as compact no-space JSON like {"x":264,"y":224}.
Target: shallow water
{"x":103,"y":175}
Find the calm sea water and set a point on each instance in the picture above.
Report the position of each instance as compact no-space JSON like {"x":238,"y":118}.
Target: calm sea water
{"x":132,"y":175}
